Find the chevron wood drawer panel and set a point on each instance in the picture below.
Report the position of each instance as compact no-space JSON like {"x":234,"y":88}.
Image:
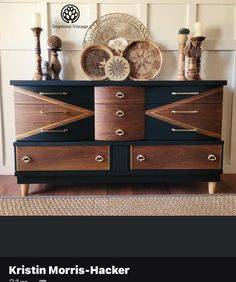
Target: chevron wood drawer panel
{"x":200,"y":118}
{"x":176,"y":157}
{"x":119,"y":95}
{"x":53,"y":158}
{"x":35,"y":113}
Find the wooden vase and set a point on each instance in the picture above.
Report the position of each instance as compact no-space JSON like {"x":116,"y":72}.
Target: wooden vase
{"x":55,"y":65}
{"x":182,"y":39}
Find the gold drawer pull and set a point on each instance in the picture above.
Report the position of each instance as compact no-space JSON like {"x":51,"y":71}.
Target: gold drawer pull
{"x":120,"y":113}
{"x":99,"y":158}
{"x":185,"y":112}
{"x":183,"y":130}
{"x":185,"y":93}
{"x":120,"y":132}
{"x":120,"y":95}
{"x":26,"y":159}
{"x":141,"y":158}
{"x":55,"y":130}
{"x":53,"y":93}
{"x":53,"y":112}
{"x":212,"y":158}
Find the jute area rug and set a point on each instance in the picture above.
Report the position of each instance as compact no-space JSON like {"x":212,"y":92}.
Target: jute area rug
{"x":151,"y":205}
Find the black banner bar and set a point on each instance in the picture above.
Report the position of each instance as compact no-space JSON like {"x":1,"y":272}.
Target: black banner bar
{"x":115,"y":269}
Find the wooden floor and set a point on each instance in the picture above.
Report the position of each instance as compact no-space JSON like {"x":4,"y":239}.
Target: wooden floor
{"x":9,"y":187}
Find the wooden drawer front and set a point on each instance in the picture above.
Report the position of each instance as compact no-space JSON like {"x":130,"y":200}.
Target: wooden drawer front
{"x":119,"y":95}
{"x":176,"y":157}
{"x":43,"y":113}
{"x":51,"y":158}
{"x":119,"y":131}
{"x":193,"y":94}
{"x":202,"y":118}
{"x":120,"y":113}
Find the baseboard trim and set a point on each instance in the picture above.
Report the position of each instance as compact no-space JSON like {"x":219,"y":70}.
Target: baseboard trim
{"x":6,"y":170}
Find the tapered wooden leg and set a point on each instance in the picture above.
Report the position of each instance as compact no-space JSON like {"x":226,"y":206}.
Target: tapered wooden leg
{"x":24,"y":189}
{"x":211,"y":187}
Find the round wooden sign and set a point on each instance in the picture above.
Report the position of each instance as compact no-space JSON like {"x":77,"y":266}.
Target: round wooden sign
{"x":117,"y":68}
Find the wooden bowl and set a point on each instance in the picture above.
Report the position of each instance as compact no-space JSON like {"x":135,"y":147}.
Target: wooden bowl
{"x":93,"y":61}
{"x":145,"y":59}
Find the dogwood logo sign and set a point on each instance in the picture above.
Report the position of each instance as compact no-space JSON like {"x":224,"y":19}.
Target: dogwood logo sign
{"x":70,"y":13}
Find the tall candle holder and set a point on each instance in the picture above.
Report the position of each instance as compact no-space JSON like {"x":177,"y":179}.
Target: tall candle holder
{"x":199,"y":40}
{"x":182,"y":39}
{"x":193,"y":51}
{"x":38,"y":71}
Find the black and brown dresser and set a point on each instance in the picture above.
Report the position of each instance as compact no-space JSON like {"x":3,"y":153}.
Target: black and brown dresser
{"x":118,"y":132}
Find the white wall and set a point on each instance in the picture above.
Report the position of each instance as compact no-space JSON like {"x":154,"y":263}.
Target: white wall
{"x":162,"y":18}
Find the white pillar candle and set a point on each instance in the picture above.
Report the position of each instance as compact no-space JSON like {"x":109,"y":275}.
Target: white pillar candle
{"x":198,"y":27}
{"x":36,"y":20}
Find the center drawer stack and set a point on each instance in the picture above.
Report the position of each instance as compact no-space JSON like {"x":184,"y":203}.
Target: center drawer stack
{"x":119,"y":113}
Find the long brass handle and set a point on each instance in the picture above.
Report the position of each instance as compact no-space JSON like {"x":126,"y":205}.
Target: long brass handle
{"x":53,"y":112}
{"x":55,"y":130}
{"x":26,"y":159}
{"x":185,"y":112}
{"x":120,"y":132}
{"x":120,"y":95}
{"x":120,"y":113}
{"x":185,"y":93}
{"x":212,"y":158}
{"x":141,"y":158}
{"x":183,"y":129}
{"x":54,"y":93}
{"x":99,"y":158}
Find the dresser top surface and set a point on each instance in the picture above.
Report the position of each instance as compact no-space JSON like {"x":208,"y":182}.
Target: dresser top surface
{"x":117,"y":83}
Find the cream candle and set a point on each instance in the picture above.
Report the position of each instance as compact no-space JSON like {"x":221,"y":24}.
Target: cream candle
{"x":198,"y":27}
{"x":36,"y":19}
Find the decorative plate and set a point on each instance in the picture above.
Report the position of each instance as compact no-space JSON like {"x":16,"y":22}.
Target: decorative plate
{"x":117,"y":68}
{"x":145,"y":59}
{"x":118,"y":27}
{"x":93,"y":60}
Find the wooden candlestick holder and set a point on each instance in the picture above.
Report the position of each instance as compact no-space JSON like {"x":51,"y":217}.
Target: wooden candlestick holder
{"x":193,"y":51}
{"x":38,"y":71}
{"x":54,"y":64}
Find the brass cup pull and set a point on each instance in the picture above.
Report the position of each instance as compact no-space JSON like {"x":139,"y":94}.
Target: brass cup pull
{"x":141,"y":158}
{"x":26,"y":159}
{"x":120,"y":95}
{"x":212,"y":158}
{"x":99,"y":158}
{"x":120,"y":113}
{"x":120,"y":132}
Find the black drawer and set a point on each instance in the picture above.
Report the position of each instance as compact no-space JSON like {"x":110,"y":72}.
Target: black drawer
{"x":168,"y":94}
{"x":160,"y":130}
{"x":76,"y":131}
{"x":79,"y":96}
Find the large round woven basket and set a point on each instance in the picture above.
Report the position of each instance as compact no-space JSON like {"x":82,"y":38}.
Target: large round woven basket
{"x":145,"y":59}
